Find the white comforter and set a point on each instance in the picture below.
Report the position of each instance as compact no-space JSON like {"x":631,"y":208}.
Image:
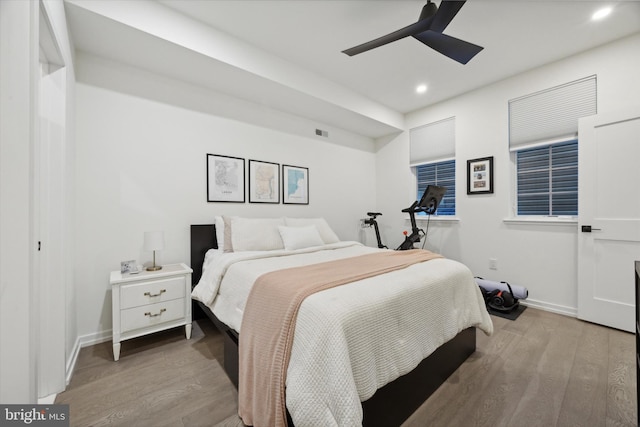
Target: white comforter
{"x":353,"y":339}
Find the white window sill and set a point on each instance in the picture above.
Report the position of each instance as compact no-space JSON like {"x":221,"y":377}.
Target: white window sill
{"x":543,"y":220}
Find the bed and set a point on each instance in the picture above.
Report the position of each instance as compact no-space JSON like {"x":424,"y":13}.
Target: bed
{"x":399,"y":392}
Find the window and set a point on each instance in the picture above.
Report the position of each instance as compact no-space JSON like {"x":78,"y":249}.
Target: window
{"x":543,"y":134}
{"x":433,"y":150}
{"x":547,"y":180}
{"x":442,"y":174}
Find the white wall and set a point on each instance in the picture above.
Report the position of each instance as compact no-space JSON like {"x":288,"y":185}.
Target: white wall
{"x":541,"y":257}
{"x":141,"y":166}
{"x":18,"y":291}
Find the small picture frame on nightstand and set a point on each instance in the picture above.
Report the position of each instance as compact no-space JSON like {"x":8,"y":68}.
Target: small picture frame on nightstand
{"x":130,"y":267}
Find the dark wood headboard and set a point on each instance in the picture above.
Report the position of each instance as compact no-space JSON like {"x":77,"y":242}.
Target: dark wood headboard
{"x":203,"y":238}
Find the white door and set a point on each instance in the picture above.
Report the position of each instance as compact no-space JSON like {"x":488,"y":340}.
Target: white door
{"x":609,"y":217}
{"x":49,"y":222}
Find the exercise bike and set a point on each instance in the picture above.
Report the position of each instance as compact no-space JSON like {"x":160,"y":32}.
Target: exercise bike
{"x":428,"y":204}
{"x":372,"y":221}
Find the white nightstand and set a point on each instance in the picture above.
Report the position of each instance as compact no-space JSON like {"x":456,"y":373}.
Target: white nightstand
{"x":150,"y":301}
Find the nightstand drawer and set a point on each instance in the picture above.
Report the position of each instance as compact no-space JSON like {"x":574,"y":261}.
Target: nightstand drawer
{"x":152,"y":314}
{"x":151,"y":292}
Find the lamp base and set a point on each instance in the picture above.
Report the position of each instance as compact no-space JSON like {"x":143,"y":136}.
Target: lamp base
{"x":154,"y":268}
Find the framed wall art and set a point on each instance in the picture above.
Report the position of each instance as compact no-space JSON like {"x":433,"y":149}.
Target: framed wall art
{"x":264,"y":182}
{"x":295,"y":185}
{"x":480,"y":176}
{"x":225,"y":179}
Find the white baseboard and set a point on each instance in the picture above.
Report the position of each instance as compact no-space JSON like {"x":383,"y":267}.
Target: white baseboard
{"x":85,"y":341}
{"x":553,"y":308}
{"x":95,"y":338}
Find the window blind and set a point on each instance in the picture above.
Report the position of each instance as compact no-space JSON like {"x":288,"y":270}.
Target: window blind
{"x":433,"y":142}
{"x":551,"y":115}
{"x":444,"y":175}
{"x":548,"y":180}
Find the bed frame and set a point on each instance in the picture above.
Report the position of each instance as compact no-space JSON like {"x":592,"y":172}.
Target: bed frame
{"x":391,"y":404}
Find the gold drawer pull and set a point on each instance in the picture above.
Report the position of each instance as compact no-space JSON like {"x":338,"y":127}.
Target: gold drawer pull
{"x":148,"y":313}
{"x":149,"y":294}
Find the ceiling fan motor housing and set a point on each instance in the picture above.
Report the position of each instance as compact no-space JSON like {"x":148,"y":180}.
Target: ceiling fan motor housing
{"x":428,"y":10}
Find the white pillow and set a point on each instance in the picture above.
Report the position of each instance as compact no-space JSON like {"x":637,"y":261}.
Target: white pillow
{"x":227,"y":243}
{"x":300,"y":237}
{"x":256,"y":234}
{"x":219,"y":222}
{"x":326,"y":233}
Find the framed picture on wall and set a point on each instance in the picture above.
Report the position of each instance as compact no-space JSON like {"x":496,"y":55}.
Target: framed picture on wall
{"x":295,"y":185}
{"x":225,"y":179}
{"x":264,"y":182}
{"x":480,"y":176}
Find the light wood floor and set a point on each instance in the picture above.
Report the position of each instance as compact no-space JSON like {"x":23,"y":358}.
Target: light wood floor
{"x":540,"y":370}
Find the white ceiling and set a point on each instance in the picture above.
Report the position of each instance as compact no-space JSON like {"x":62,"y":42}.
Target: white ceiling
{"x":287,"y":54}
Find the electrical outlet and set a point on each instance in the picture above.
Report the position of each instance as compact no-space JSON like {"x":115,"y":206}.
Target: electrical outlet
{"x":493,"y":263}
{"x":362,"y":223}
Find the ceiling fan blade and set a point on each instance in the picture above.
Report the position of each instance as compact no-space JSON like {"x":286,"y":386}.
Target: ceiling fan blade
{"x":410,"y":30}
{"x":456,"y":49}
{"x":445,"y":14}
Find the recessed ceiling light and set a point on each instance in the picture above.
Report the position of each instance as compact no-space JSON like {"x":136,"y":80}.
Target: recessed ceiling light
{"x":601,"y":13}
{"x":421,"y":88}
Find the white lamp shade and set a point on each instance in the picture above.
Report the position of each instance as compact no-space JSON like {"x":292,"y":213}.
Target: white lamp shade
{"x":153,"y":240}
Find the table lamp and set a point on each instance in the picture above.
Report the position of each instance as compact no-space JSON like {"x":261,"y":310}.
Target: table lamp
{"x":154,"y":241}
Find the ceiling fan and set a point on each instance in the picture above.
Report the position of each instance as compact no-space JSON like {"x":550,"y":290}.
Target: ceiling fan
{"x":432,"y":22}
